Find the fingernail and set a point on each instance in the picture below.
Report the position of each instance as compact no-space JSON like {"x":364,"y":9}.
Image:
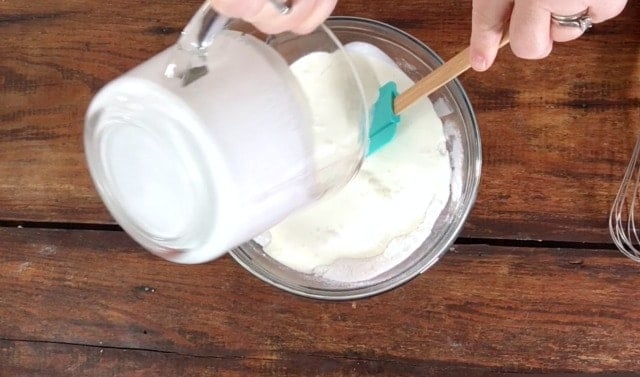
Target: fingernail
{"x":478,"y":62}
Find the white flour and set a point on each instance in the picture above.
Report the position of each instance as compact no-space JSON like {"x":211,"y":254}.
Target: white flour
{"x":389,"y":208}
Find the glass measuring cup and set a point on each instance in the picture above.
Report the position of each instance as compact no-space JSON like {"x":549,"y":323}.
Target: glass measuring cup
{"x":215,"y":140}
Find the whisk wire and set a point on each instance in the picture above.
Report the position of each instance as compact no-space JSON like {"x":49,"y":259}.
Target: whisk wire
{"x":622,"y":219}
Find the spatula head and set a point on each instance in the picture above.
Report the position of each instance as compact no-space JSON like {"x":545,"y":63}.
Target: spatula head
{"x":384,"y":121}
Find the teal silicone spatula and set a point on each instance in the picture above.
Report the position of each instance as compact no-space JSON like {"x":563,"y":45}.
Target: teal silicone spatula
{"x":389,"y":105}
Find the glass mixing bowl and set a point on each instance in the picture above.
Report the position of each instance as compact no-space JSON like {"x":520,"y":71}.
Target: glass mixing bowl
{"x":463,"y":142}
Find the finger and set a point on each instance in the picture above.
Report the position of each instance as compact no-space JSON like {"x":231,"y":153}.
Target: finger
{"x":488,"y":20}
{"x":238,"y":9}
{"x":271,"y":21}
{"x":530,"y":30}
{"x":321,"y":12}
{"x":561,"y":33}
{"x":600,"y":11}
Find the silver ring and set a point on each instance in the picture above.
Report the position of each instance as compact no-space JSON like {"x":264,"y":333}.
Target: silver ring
{"x":580,"y":20}
{"x":282,"y":6}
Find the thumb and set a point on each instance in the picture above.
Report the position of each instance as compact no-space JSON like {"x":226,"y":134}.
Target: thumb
{"x":487,"y":23}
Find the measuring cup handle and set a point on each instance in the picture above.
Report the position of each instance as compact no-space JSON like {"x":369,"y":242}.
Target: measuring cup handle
{"x":188,"y":60}
{"x":202,"y":28}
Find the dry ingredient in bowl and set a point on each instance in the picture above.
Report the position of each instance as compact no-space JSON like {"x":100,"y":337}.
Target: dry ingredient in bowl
{"x":387,"y":211}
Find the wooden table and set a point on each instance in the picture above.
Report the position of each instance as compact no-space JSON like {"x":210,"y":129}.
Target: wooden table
{"x":533,"y":285}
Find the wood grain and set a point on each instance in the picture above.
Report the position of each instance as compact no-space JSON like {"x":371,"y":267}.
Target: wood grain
{"x":482,"y":308}
{"x":556,"y":137}
{"x":556,"y":134}
{"x":37,"y":359}
{"x":449,"y":70}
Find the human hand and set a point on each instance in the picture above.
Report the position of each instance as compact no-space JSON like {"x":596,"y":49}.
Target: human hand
{"x":531,"y":28}
{"x":304,"y":15}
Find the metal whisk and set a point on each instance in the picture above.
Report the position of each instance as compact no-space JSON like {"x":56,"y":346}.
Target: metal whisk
{"x":622,"y":220}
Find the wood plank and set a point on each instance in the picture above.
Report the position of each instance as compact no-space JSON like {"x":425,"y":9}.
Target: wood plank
{"x":556,"y":134}
{"x":486,"y":307}
{"x":35,"y":359}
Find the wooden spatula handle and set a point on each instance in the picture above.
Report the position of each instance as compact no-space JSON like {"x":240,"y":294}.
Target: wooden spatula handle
{"x":436,"y":79}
